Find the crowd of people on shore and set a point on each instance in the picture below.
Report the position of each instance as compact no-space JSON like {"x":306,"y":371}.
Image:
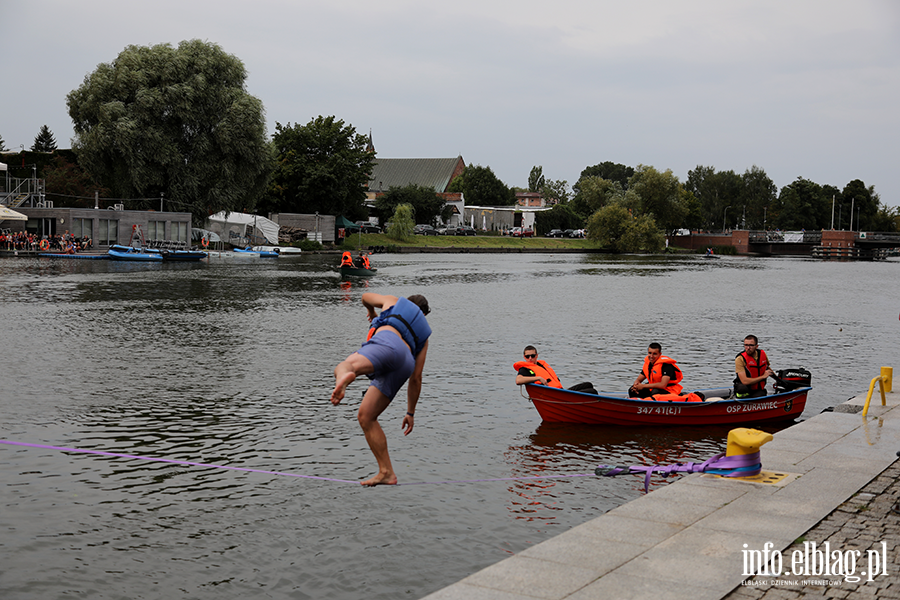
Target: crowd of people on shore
{"x":26,"y":241}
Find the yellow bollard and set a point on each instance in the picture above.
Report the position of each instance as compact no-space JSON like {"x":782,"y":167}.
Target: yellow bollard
{"x":746,"y":441}
{"x":887,"y":374}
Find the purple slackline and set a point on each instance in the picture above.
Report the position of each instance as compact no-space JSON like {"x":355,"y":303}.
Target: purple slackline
{"x":196,"y":464}
{"x":740,"y":465}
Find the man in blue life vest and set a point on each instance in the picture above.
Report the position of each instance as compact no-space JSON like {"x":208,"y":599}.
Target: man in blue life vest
{"x":661,"y":373}
{"x":393,"y":353}
{"x":752,"y":369}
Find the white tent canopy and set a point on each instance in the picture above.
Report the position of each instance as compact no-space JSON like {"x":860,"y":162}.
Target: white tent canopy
{"x":7,"y":214}
{"x":240,"y":228}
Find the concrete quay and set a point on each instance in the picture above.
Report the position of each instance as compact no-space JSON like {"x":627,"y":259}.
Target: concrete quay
{"x":694,"y":538}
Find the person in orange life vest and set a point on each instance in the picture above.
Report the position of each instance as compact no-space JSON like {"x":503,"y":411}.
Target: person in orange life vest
{"x":393,"y":353}
{"x":661,"y":373}
{"x":346,"y":259}
{"x":532,"y":370}
{"x":751,"y":368}
{"x":363,"y":261}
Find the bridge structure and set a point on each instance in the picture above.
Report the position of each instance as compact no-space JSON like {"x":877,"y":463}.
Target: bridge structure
{"x":825,"y":244}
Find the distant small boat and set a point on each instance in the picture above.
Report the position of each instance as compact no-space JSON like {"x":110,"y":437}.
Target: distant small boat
{"x":248,"y":251}
{"x":281,"y":250}
{"x":183,"y":255}
{"x":357,"y":271}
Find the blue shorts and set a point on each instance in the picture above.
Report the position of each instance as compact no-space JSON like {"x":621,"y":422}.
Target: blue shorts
{"x":393,"y":362}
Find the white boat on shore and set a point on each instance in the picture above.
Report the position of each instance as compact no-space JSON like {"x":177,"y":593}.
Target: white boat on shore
{"x":281,"y":250}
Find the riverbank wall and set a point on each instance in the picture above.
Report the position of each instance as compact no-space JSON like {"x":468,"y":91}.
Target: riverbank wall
{"x":706,"y":537}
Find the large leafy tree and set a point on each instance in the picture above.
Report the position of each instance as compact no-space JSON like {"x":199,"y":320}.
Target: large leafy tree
{"x":426,"y":205}
{"x":660,"y":194}
{"x":174,"y":121}
{"x":555,"y":191}
{"x":65,"y":178}
{"x":594,"y":193}
{"x":322,"y":166}
{"x":44,"y":141}
{"x":481,"y":187}
{"x":560,"y":216}
{"x":402,"y":223}
{"x":865,"y":203}
{"x":758,"y":192}
{"x":608,"y":170}
{"x":803,"y":204}
{"x":716,"y":192}
{"x":614,"y":226}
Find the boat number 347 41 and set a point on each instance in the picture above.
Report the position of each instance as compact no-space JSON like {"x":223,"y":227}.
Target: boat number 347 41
{"x":659,"y":410}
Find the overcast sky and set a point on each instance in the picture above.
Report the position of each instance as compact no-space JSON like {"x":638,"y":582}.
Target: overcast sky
{"x":807,"y":88}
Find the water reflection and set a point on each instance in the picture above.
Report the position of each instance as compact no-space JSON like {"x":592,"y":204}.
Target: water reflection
{"x":230,"y":363}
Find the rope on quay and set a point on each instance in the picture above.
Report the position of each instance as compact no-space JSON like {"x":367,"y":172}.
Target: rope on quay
{"x":741,"y":465}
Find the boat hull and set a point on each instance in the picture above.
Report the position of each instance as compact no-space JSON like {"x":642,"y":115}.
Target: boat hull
{"x":133,"y":254}
{"x":254,"y":253}
{"x":357,"y":272}
{"x":183,"y":255}
{"x":565,"y":406}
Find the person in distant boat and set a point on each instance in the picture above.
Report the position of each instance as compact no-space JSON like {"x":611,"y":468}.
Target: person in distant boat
{"x":751,"y":369}
{"x":532,"y":370}
{"x":661,"y":374}
{"x":709,"y":251}
{"x":393,"y":353}
{"x":346,"y":259}
{"x":362,"y":261}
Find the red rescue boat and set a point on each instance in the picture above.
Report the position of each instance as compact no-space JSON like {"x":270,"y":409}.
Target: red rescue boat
{"x":566,"y":406}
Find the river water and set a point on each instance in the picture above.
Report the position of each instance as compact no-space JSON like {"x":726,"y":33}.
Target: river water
{"x":230,"y":364}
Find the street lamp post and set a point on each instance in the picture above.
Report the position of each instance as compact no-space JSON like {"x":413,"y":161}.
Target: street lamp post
{"x":724,"y":217}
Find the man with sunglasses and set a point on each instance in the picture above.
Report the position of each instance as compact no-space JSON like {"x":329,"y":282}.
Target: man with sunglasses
{"x":751,"y":368}
{"x":532,"y":370}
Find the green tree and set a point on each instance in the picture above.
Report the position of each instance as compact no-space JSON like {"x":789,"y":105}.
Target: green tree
{"x":427,"y":206}
{"x":614,"y":227}
{"x":757,"y":193}
{"x":608,"y":170}
{"x":660,"y":195}
{"x":536,"y":179}
{"x":715,"y":191}
{"x":174,"y":121}
{"x":44,"y":141}
{"x":560,"y":216}
{"x":2,"y":144}
{"x":555,"y":191}
{"x":322,"y":166}
{"x":594,"y":193}
{"x":803,"y":204}
{"x":481,"y":187}
{"x":865,"y":203}
{"x":65,"y":178}
{"x":402,"y":223}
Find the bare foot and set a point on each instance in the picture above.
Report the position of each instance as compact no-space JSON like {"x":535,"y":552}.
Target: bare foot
{"x":381,"y":479}
{"x":341,"y":386}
